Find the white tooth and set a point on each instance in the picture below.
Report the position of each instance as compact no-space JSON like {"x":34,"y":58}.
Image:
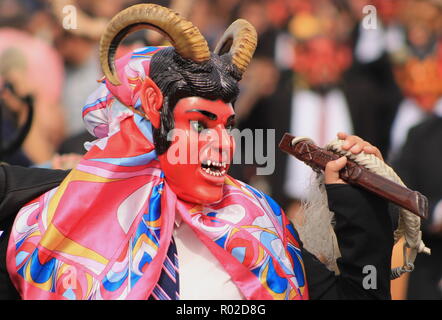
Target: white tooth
{"x":207,"y":170}
{"x":223,"y":172}
{"x":224,"y":165}
{"x":209,"y":163}
{"x":218,"y":164}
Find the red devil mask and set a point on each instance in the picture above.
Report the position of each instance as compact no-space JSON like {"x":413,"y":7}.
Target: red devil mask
{"x":201,"y":126}
{"x":202,"y":148}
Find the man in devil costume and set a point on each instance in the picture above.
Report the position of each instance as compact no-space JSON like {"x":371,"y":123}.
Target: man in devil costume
{"x":140,"y":217}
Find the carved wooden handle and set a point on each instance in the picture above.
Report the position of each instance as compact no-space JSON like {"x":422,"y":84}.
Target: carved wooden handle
{"x":317,"y":158}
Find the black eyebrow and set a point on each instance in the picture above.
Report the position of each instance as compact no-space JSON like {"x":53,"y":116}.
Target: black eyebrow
{"x":206,"y":113}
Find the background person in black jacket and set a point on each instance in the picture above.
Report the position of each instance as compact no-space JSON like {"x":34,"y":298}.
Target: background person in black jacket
{"x":419,"y":166}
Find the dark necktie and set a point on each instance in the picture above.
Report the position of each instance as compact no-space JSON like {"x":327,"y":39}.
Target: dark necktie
{"x":167,"y":287}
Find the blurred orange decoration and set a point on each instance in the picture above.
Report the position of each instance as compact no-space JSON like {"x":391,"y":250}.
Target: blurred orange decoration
{"x":422,"y":80}
{"x":419,"y":68}
{"x":388,"y":9}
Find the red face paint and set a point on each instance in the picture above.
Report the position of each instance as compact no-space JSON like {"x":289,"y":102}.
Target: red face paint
{"x":201,"y":126}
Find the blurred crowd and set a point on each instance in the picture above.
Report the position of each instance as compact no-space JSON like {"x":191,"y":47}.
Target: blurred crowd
{"x":370,"y":68}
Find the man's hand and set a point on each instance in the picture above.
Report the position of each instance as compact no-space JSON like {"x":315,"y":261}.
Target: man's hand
{"x":355,"y":145}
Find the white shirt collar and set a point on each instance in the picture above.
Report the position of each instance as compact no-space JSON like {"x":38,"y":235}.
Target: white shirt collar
{"x":178,"y":220}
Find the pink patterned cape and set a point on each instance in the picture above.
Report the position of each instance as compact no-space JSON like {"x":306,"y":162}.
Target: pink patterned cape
{"x":104,"y":232}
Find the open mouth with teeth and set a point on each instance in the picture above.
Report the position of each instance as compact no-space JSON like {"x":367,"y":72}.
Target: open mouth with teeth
{"x":216,"y":169}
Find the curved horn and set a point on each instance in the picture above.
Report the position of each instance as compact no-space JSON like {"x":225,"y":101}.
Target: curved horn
{"x":185,"y":37}
{"x":240,"y":41}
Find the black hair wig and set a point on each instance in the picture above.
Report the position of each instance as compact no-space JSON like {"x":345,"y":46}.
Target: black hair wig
{"x":178,"y":78}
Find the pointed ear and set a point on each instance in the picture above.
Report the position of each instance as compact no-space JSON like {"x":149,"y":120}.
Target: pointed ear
{"x":151,"y":101}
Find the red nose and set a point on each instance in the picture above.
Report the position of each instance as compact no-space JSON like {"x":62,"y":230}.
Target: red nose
{"x":220,"y":144}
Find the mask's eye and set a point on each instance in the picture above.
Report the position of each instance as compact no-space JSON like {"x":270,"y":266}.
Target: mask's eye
{"x":229,"y":128}
{"x":198,"y":126}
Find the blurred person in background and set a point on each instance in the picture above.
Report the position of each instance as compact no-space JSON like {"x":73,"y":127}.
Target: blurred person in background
{"x":78,"y":48}
{"x":378,"y":34}
{"x":31,"y":29}
{"x":418,"y":69}
{"x":22,"y":68}
{"x":210,"y":16}
{"x":370,"y":79}
{"x":16,"y":111}
{"x":417,"y":134}
{"x":261,"y":78}
{"x":81,"y":67}
{"x":308,"y":91}
{"x":419,"y":166}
